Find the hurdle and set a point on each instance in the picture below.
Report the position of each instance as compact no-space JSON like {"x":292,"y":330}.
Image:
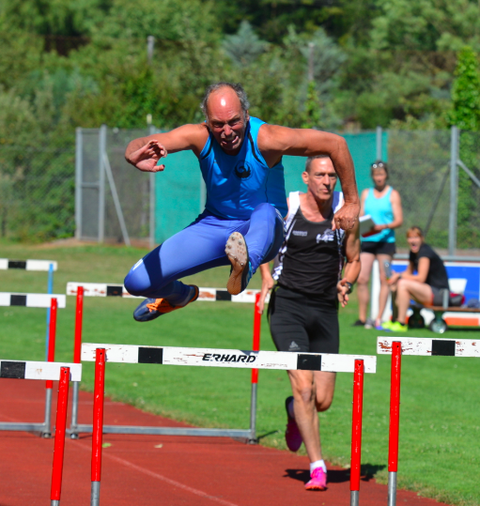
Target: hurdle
{"x":230,"y":358}
{"x":40,"y":300}
{"x":118,"y":290}
{"x":419,"y":346}
{"x":28,"y":265}
{"x":34,"y":301}
{"x":249,"y":435}
{"x":73,"y":431}
{"x":49,"y":371}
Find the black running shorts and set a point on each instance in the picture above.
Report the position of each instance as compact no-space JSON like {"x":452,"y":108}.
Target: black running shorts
{"x":437,"y":295}
{"x":298,"y":323}
{"x":379,"y":248}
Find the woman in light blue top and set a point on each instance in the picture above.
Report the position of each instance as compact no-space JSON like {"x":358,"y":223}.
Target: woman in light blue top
{"x":384,"y":205}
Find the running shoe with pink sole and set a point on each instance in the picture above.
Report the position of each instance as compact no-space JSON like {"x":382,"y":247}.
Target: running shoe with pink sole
{"x":318,"y":480}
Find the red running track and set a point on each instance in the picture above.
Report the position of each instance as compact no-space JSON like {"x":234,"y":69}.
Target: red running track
{"x":159,"y":470}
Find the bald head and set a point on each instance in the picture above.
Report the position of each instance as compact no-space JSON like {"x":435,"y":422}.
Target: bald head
{"x":226,"y":117}
{"x":227,"y":89}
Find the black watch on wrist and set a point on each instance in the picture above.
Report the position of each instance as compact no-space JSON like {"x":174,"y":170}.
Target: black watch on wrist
{"x":350,"y":286}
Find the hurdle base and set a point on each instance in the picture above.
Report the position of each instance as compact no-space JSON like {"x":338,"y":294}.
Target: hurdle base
{"x":392,"y":488}
{"x":39,"y":428}
{"x":95,"y":494}
{"x":166,"y":431}
{"x":354,"y":497}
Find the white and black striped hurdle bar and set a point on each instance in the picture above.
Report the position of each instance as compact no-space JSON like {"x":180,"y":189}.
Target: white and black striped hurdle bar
{"x":424,"y":346}
{"x":213,"y":357}
{"x":112,"y":290}
{"x":21,"y":369}
{"x":27,"y":265}
{"x":31,"y":299}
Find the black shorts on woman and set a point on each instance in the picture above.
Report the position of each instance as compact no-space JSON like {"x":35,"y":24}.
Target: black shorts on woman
{"x":379,"y":248}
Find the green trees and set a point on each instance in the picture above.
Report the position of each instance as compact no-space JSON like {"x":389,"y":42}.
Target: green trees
{"x":373,"y":62}
{"x":465,"y":114}
{"x":338,"y":65}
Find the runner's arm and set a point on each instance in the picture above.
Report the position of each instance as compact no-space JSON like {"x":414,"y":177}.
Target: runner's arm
{"x":352,"y":266}
{"x":275,"y":141}
{"x":145,"y":152}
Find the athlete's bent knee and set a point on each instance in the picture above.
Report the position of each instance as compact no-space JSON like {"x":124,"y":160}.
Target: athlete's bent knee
{"x":323,"y":404}
{"x":135,"y":283}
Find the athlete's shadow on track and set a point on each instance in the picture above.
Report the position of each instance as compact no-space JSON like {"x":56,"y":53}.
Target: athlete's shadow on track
{"x":368,"y":471}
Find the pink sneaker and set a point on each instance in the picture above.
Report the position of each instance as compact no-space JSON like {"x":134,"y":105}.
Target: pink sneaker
{"x":293,"y":437}
{"x":318,"y":480}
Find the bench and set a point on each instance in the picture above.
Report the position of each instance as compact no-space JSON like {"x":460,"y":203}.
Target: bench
{"x":438,"y":324}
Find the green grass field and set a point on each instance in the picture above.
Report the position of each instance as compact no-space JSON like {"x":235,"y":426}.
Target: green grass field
{"x":440,"y":399}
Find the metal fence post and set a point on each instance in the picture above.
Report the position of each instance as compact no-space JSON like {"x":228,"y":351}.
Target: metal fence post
{"x":452,"y":220}
{"x":152,"y":210}
{"x":379,"y":142}
{"x":116,"y":201}
{"x":78,"y":181}
{"x":102,"y":151}
{"x":151,"y":131}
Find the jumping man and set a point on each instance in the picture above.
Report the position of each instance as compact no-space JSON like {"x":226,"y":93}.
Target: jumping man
{"x":242,"y":225}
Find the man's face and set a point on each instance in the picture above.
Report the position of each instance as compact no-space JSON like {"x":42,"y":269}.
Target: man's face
{"x":226,"y":119}
{"x":321,"y":178}
{"x":414,"y":241}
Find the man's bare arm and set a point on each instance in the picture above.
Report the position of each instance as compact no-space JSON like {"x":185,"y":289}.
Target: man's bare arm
{"x":275,"y":141}
{"x":145,"y":152}
{"x":352,"y":253}
{"x":352,"y":267}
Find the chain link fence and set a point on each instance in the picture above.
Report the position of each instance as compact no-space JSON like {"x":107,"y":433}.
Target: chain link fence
{"x":421,"y":165}
{"x":113,"y":199}
{"x":419,"y":168}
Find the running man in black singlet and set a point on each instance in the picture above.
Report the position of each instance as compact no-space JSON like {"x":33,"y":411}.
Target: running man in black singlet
{"x":303,"y":309}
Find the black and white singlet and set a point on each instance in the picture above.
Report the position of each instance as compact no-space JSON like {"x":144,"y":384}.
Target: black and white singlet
{"x":311,"y":257}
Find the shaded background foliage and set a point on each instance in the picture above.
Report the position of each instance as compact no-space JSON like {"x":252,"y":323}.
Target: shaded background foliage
{"x":340,"y":65}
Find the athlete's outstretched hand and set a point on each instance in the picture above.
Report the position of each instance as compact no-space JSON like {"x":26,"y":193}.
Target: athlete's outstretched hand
{"x":146,"y":158}
{"x":346,"y":216}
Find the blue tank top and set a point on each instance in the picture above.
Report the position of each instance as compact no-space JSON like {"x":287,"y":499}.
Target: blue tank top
{"x":382,"y":213}
{"x":236,"y":185}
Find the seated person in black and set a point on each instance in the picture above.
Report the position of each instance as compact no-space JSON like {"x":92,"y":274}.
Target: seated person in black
{"x":427,"y":286}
